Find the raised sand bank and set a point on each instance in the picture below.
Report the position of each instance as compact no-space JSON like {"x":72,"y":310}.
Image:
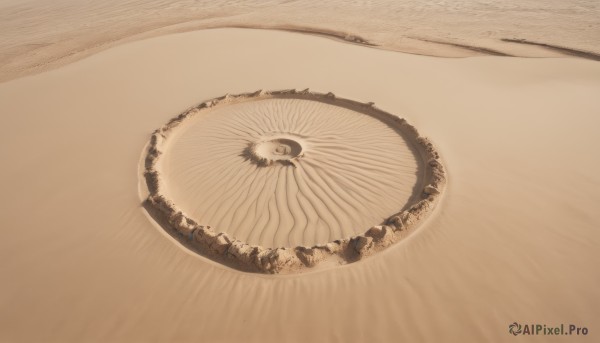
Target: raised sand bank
{"x":332,"y":133}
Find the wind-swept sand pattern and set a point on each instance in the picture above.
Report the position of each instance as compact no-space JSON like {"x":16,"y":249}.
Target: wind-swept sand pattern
{"x":277,"y":181}
{"x":41,"y":35}
{"x":515,"y":237}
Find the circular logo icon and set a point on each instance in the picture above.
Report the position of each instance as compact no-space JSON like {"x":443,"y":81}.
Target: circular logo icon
{"x":514,"y":328}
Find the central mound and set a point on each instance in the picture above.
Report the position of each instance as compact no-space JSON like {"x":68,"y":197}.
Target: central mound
{"x":289,"y":170}
{"x":283,"y":149}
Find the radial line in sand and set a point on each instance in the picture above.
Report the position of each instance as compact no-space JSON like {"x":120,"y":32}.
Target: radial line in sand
{"x":279,"y":181}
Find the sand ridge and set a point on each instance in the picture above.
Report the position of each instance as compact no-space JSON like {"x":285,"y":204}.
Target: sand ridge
{"x":47,"y":35}
{"x":286,"y":150}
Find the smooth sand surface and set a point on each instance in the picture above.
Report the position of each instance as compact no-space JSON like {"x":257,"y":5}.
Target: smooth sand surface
{"x":514,"y":238}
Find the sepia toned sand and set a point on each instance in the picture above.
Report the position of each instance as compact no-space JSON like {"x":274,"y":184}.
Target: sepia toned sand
{"x":41,"y":35}
{"x":354,"y":172}
{"x":278,"y":181}
{"x":513,"y":238}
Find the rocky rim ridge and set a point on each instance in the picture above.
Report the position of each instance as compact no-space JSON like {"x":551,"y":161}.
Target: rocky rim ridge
{"x":218,"y":246}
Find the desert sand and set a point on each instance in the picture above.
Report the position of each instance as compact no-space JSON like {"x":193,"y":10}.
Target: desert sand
{"x":278,"y":181}
{"x":514,"y":236}
{"x":40,"y":35}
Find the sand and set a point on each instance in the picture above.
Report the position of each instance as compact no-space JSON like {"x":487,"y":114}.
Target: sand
{"x":514,"y":237}
{"x":278,"y":181}
{"x":40,"y":35}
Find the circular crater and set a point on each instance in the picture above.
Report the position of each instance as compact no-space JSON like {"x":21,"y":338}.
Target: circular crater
{"x":279,"y":181}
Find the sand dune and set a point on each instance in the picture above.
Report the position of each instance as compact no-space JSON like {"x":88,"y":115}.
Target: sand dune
{"x":514,"y":238}
{"x":37,"y":36}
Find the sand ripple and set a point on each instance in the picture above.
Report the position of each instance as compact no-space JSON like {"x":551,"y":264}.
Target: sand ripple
{"x":276,"y":173}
